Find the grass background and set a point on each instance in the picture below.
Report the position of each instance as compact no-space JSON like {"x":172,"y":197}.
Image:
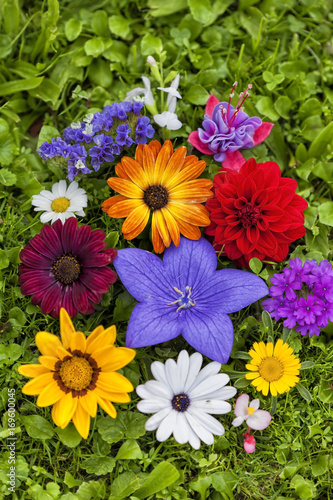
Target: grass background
{"x":60,"y":60}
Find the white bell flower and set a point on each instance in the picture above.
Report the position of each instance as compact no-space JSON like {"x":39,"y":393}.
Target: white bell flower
{"x":148,"y":96}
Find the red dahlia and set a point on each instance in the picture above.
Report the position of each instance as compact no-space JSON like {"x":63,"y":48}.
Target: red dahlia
{"x":255,"y":213}
{"x":66,"y":266}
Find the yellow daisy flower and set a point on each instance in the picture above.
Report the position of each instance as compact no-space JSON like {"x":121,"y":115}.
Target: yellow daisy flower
{"x":273,"y":369}
{"x":165,"y":183}
{"x":78,"y":373}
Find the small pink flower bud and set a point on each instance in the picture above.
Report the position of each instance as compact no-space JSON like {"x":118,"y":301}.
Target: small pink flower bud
{"x":151,"y":61}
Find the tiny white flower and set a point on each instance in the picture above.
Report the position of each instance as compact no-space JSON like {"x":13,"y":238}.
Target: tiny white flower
{"x":183,"y":396}
{"x":148,"y":96}
{"x":89,"y":118}
{"x":151,"y":61}
{"x":172,"y":90}
{"x":60,"y":203}
{"x":254,"y":418}
{"x":79,"y":165}
{"x":88,"y":130}
{"x":75,"y":125}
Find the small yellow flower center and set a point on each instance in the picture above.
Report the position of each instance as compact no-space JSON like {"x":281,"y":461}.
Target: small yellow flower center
{"x":76,"y":373}
{"x":60,"y":205}
{"x":250,"y":410}
{"x":271,"y":369}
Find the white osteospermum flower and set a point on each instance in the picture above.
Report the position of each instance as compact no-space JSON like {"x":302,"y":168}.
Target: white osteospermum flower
{"x":254,"y":418}
{"x":61,"y":202}
{"x":182,"y":396}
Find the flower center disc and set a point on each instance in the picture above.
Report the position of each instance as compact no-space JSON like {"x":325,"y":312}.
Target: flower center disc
{"x":60,"y":205}
{"x":76,"y":373}
{"x":156,"y":197}
{"x":180,"y":402}
{"x":271,"y":369}
{"x":66,"y":269}
{"x":249,"y":215}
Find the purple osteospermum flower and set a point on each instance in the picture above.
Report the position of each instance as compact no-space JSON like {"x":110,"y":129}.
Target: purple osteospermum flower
{"x":184,"y":294}
{"x":303,"y":295}
{"x":66,"y":266}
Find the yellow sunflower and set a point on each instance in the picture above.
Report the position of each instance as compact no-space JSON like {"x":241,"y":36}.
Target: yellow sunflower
{"x":273,"y":369}
{"x":164,"y":182}
{"x":77,"y":373}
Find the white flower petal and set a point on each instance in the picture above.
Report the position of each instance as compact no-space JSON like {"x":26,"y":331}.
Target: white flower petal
{"x":209,"y":384}
{"x":154,"y":388}
{"x":205,"y":435}
{"x":158,"y":370}
{"x":42,"y":205}
{"x":175,"y":81}
{"x":80,"y":213}
{"x":237,"y":421}
{"x":224,"y":393}
{"x":72,"y":188}
{"x":167,"y":426}
{"x":193,"y":438}
{"x":255,"y":403}
{"x":135,"y":92}
{"x":47,"y":194}
{"x":172,"y":375}
{"x":154,"y":421}
{"x":209,"y":370}
{"x":212,"y":406}
{"x":152,"y":405}
{"x":46,"y":217}
{"x":194,"y":368}
{"x":55,"y":190}
{"x":62,"y":188}
{"x":181,"y":429}
{"x":210,"y":423}
{"x":171,"y":91}
{"x":241,"y":406}
{"x":183,"y":363}
{"x":259,"y":420}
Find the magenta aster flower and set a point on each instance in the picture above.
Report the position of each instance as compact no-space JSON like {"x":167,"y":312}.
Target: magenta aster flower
{"x":66,"y":266}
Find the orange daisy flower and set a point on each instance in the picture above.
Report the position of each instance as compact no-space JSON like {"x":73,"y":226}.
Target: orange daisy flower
{"x":164,"y":182}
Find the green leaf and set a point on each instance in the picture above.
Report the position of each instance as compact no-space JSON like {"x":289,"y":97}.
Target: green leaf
{"x":18,"y":316}
{"x":7,"y":178}
{"x":320,"y":466}
{"x":265,"y":107}
{"x":4,"y":260}
{"x":224,"y":482}
{"x":119,"y":26}
{"x":99,"y":73}
{"x":325,"y":393}
{"x":100,"y":23}
{"x":7,"y":149}
{"x":70,"y":481}
{"x":19,"y":85}
{"x":151,"y":44}
{"x":37,"y":427}
{"x":321,"y":142}
{"x":301,"y":153}
{"x":255,"y":265}
{"x":129,"y":450}
{"x":268,"y":323}
{"x":47,"y":91}
{"x":73,"y":28}
{"x":125,"y":304}
{"x":46,"y":134}
{"x":304,"y":488}
{"x":283,"y":105}
{"x":326,"y":213}
{"x":293,"y":69}
{"x":98,"y":465}
{"x":242,"y":382}
{"x":197,"y":95}
{"x":162,"y":476}
{"x":94,"y":47}
{"x":112,"y":239}
{"x":201,"y":485}
{"x":306,"y":365}
{"x":163,"y":8}
{"x":201,"y":10}
{"x":93,"y":490}
{"x":123,"y":486}
{"x":69,"y":435}
{"x":303,"y":392}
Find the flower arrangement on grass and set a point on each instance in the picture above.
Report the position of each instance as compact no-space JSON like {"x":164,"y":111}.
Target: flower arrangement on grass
{"x":182,"y":397}
{"x":165,"y":183}
{"x":255,"y":213}
{"x":77,"y":374}
{"x":66,"y":266}
{"x":184,"y":294}
{"x":303,"y":295}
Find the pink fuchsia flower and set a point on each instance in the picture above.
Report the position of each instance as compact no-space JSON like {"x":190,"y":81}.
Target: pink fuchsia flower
{"x":254,"y":418}
{"x":227,"y":129}
{"x":249,"y":444}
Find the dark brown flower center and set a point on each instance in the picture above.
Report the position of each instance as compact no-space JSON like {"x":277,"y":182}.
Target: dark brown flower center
{"x":66,"y":269}
{"x":249,"y":215}
{"x":156,"y":197}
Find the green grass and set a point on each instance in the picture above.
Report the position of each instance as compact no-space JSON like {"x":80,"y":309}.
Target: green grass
{"x":58,"y":62}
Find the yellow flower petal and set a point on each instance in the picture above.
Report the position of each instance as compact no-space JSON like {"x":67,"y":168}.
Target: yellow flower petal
{"x":32,"y":370}
{"x":66,"y":328}
{"x":48,"y":361}
{"x":89,"y":403}
{"x":36,"y":385}
{"x":78,"y":342}
{"x":81,"y":420}
{"x":251,"y":376}
{"x":118,"y":358}
{"x":162,"y":160}
{"x":62,"y":353}
{"x":104,"y":338}
{"x":114,"y":382}
{"x":64,"y":410}
{"x":174,"y":165}
{"x":47,"y":343}
{"x":107,"y":407}
{"x":93,"y":336}
{"x":50,"y":395}
{"x":269,"y":349}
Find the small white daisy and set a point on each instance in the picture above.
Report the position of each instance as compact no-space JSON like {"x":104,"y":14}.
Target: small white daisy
{"x":182,"y":396}
{"x":61,"y":203}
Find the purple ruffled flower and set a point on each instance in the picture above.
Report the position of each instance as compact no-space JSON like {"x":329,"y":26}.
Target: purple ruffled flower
{"x":184,"y":294}
{"x":303,"y":295}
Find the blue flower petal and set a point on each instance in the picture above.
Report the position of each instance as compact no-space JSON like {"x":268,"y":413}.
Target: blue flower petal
{"x":229,"y":290}
{"x":151,"y":324}
{"x":189,"y":263}
{"x":209,"y":332}
{"x":143,"y":275}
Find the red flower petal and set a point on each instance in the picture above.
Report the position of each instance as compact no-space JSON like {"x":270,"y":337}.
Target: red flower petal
{"x":211,"y":103}
{"x":262,"y":132}
{"x":193,"y":138}
{"x":233,"y":161}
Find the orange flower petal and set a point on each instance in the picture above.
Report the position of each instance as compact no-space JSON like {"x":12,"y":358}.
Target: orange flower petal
{"x":162,"y":160}
{"x":188,"y":230}
{"x":155,"y":146}
{"x":125,"y":187}
{"x":189,"y":160}
{"x":174,"y":165}
{"x":156,"y":238}
{"x":194,"y":214}
{"x":66,"y":328}
{"x":194,"y":184}
{"x":139,"y":154}
{"x":135,"y":172}
{"x":136,"y":222}
{"x":120,"y":172}
{"x":187,"y":174}
{"x":148,"y":163}
{"x":112,"y":201}
{"x":81,"y":420}
{"x":124,"y":208}
{"x":172,"y":225}
{"x":162,"y":228}
{"x":191,"y":195}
